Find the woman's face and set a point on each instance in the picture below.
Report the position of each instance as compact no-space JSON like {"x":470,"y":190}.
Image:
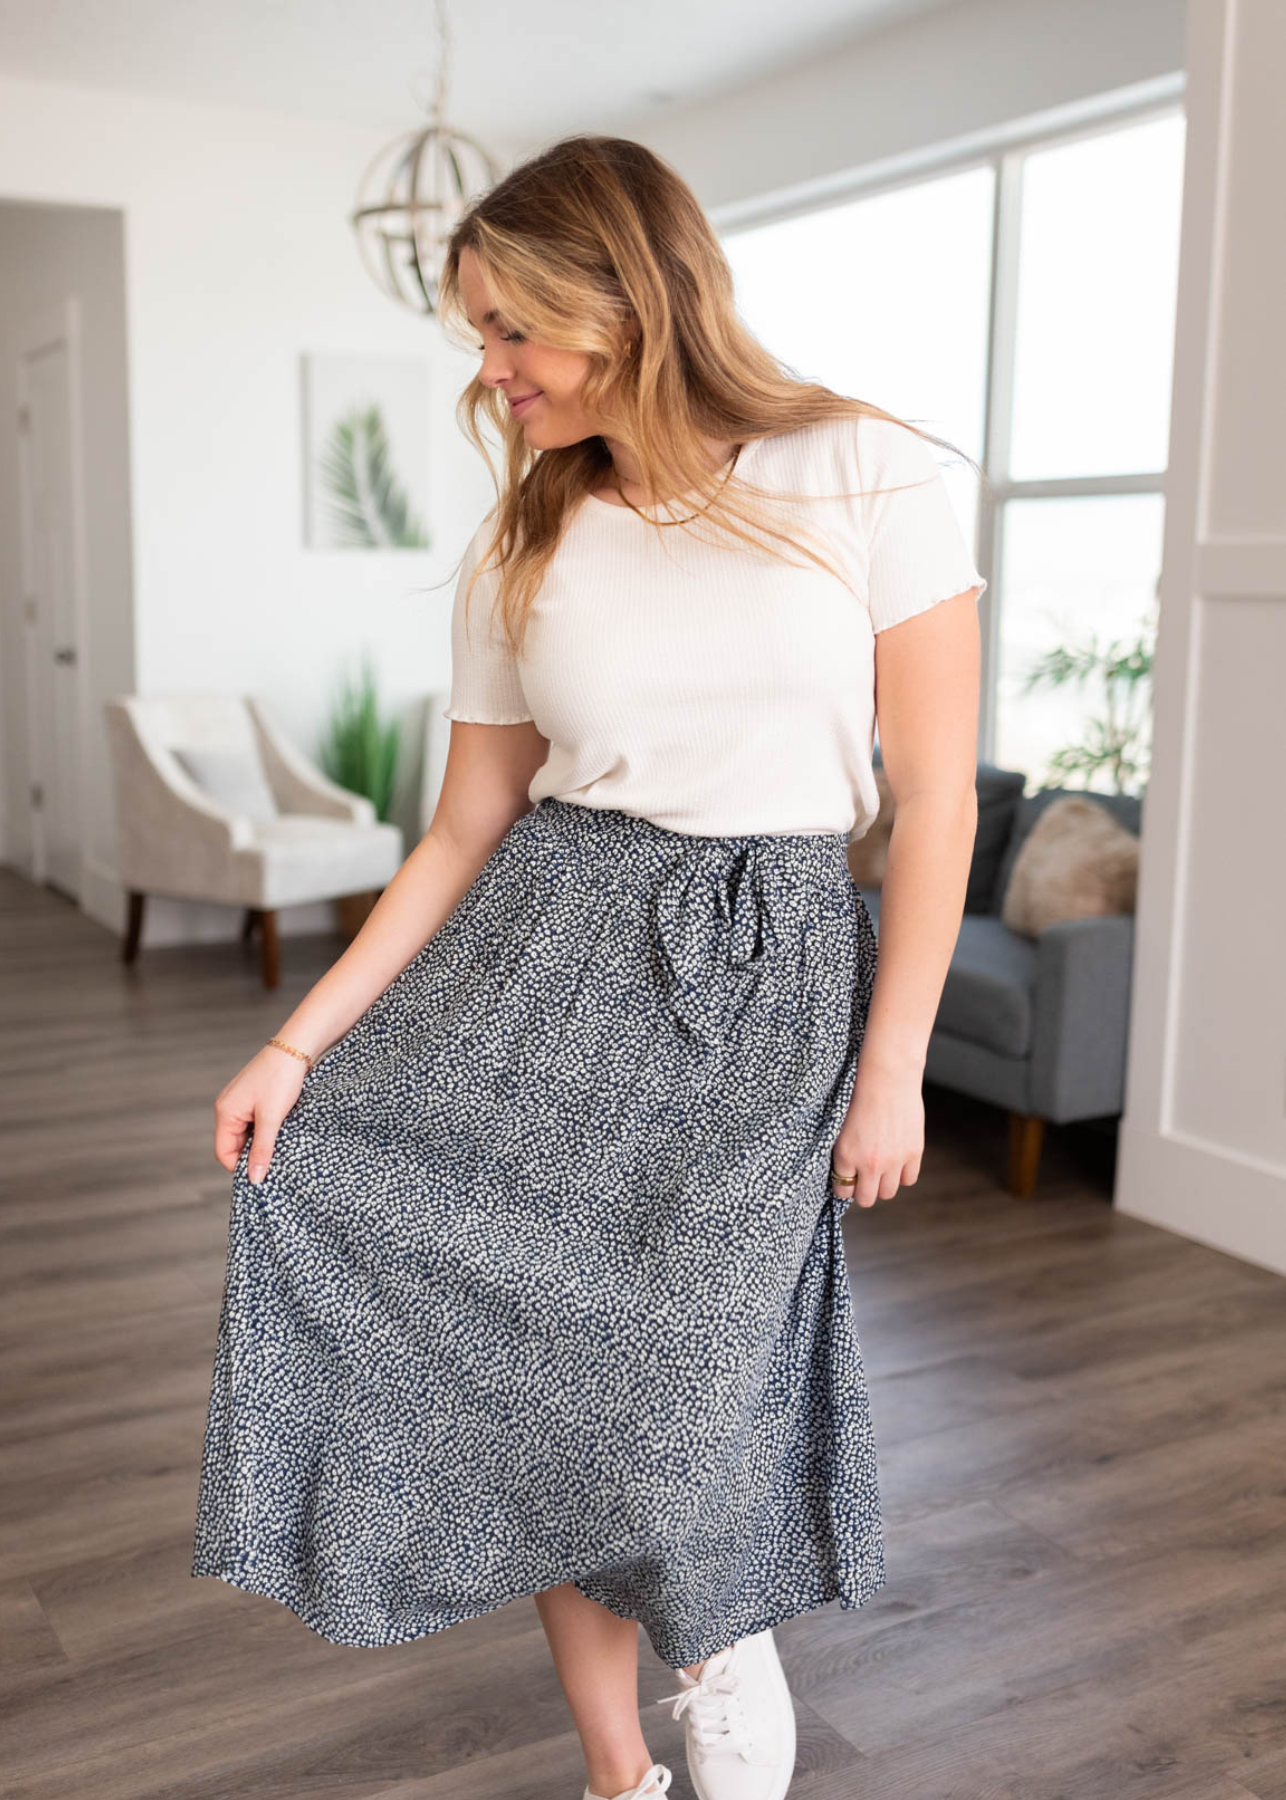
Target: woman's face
{"x":541,"y":384}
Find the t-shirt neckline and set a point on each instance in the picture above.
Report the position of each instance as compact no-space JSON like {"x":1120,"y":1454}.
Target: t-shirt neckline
{"x":658,"y":509}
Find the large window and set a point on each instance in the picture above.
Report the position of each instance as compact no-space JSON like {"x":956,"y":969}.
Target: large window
{"x":1020,"y":305}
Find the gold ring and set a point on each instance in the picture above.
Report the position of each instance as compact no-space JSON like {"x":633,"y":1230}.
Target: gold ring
{"x":842,"y":1180}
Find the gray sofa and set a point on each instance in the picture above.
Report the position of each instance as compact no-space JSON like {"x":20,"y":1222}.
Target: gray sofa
{"x":1035,"y":1025}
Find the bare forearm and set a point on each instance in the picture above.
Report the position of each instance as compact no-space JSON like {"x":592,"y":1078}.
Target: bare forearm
{"x":921,"y":905}
{"x":422,"y":895}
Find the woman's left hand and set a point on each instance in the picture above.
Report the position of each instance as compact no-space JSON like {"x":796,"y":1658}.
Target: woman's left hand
{"x":881,"y":1140}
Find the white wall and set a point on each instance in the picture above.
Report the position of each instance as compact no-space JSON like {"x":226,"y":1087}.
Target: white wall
{"x":47,"y":252}
{"x":238,"y":257}
{"x":965,"y":71}
{"x":1203,"y":1143}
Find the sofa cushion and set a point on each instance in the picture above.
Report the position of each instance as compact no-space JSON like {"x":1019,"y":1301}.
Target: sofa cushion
{"x":1126,"y":809}
{"x":999,"y":794}
{"x":989,"y":991}
{"x":233,"y":779}
{"x":1076,"y":862}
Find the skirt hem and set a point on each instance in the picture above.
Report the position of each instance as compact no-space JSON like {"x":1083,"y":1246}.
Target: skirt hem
{"x":673,"y":1655}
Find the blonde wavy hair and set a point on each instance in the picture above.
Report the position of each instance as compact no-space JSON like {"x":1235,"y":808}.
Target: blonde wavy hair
{"x":597,"y":245}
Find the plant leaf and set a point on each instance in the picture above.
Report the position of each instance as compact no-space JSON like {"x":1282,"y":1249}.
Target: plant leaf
{"x":365,"y":504}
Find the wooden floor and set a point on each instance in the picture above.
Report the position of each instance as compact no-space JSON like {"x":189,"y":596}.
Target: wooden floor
{"x":1080,"y":1421}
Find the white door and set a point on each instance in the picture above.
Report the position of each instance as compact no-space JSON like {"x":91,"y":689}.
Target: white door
{"x":52,"y":608}
{"x":1203,"y":1141}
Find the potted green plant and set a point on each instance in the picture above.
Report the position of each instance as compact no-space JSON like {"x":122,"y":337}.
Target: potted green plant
{"x":1116,"y":740}
{"x":360,"y":752}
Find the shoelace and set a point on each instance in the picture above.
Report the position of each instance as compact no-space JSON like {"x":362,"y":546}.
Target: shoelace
{"x":717,"y":1720}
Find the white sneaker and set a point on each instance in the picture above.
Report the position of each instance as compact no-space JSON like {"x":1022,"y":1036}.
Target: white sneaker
{"x":656,"y":1781}
{"x":740,"y":1723}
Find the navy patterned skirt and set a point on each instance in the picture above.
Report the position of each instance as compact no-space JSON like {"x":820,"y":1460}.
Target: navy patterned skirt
{"x":545,"y":1282}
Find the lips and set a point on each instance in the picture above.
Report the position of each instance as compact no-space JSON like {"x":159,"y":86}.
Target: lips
{"x":520,"y":405}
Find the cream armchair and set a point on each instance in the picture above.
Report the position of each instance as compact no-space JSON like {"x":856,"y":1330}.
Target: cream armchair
{"x":213,"y":802}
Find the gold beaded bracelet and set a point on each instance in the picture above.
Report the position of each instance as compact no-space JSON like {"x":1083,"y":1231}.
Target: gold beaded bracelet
{"x":291,"y":1051}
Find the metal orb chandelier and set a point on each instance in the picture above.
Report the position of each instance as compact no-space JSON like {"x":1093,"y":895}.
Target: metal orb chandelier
{"x":413,"y":193}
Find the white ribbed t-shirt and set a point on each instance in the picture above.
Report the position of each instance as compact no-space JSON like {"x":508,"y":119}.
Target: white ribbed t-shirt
{"x":707,"y":686}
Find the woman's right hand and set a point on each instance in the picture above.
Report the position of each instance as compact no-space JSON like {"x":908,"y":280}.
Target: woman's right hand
{"x":259,"y":1097}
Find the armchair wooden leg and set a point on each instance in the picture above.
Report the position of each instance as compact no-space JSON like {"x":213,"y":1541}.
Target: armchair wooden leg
{"x":248,"y":924}
{"x":1026,"y":1135}
{"x":133,"y":926}
{"x":269,"y":950}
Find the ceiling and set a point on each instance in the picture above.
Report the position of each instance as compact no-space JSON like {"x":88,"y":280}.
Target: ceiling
{"x":519,"y":72}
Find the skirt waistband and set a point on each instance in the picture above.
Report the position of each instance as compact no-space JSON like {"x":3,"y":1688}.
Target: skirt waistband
{"x":605,"y":831}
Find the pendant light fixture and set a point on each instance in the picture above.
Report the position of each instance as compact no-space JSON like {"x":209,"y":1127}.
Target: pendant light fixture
{"x":414,"y":191}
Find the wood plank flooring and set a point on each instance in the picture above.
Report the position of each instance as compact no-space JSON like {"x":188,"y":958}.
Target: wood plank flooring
{"x":1080,"y":1421}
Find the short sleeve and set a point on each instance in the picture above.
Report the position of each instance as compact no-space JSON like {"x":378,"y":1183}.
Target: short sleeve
{"x":916,"y":549}
{"x":485,"y":685}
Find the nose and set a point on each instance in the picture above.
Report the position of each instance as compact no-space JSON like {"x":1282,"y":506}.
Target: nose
{"x":497,"y":367}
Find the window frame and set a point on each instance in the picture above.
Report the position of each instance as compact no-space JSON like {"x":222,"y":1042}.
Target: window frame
{"x":1005,"y":151}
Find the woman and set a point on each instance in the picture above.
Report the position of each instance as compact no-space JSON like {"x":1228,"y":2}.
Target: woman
{"x":535,"y":1282}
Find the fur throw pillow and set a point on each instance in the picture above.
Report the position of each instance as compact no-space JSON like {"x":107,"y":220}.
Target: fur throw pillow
{"x":868,"y":854}
{"x":1076,"y":862}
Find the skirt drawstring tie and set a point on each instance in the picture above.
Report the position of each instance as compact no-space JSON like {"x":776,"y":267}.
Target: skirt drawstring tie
{"x":712,"y":917}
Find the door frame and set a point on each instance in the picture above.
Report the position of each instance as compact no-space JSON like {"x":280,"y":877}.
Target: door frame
{"x":44,"y":328}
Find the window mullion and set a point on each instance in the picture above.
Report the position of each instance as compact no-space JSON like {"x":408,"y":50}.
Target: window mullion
{"x":1002,"y":319}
